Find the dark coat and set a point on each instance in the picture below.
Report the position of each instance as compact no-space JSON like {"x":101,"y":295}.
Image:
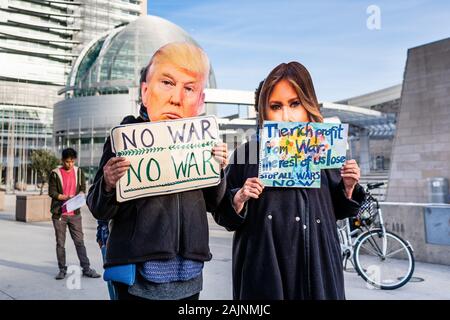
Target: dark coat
{"x":156,"y":227}
{"x":55,"y":189}
{"x":285,"y":244}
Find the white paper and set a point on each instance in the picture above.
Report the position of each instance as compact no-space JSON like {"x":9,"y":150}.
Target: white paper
{"x":76,"y":202}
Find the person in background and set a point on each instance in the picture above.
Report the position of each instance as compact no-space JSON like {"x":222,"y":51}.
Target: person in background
{"x":66,"y":182}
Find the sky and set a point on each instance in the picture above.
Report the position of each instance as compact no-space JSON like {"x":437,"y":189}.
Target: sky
{"x":246,"y":39}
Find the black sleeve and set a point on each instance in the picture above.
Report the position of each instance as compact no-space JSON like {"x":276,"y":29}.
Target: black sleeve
{"x":214,"y":195}
{"x":102,"y":204}
{"x":343,"y":206}
{"x":225,"y":215}
{"x":52,"y":186}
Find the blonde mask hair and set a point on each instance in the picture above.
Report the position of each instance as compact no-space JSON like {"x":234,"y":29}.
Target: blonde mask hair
{"x":184,"y":55}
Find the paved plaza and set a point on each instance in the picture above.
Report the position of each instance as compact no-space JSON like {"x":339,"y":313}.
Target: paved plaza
{"x":28,"y":266}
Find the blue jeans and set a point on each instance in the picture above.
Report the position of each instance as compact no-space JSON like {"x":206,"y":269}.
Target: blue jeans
{"x":111,"y":289}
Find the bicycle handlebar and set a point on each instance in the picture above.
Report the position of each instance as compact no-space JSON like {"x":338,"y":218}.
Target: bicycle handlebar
{"x":374,"y":185}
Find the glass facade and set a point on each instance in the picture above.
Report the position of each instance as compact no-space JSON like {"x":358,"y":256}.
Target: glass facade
{"x":100,"y":16}
{"x":36,"y":38}
{"x":25,"y":125}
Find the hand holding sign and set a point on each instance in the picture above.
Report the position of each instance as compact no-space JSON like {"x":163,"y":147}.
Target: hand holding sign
{"x":220,"y":153}
{"x":252,"y":188}
{"x":113,"y":170}
{"x":350,"y":176}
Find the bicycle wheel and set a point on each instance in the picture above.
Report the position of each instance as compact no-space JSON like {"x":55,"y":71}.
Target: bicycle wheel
{"x":389,"y":271}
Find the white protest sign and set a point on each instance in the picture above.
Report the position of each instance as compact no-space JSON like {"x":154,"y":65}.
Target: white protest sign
{"x":166,"y":156}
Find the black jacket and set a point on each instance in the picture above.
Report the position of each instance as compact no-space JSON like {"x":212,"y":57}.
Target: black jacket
{"x":156,"y":227}
{"x":55,"y":189}
{"x":285,"y":244}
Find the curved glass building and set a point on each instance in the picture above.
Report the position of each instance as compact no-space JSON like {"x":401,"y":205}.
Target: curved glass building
{"x":102,"y":86}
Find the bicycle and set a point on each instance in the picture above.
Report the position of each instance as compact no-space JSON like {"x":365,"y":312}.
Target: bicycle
{"x":382,"y":258}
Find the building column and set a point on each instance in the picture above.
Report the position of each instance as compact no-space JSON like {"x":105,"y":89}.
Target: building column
{"x":364,"y":151}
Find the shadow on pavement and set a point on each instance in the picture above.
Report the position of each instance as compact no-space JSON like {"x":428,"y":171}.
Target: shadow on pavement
{"x":50,"y":270}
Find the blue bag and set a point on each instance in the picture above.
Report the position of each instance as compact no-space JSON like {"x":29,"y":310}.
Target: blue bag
{"x":124,"y":274}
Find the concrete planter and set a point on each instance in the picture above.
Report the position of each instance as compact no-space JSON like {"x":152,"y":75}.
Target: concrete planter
{"x":2,"y":200}
{"x":21,"y":186}
{"x":33,"y":208}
